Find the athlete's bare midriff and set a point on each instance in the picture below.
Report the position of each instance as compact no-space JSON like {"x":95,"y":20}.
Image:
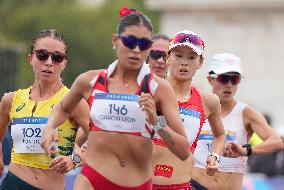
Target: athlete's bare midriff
{"x":40,"y":178}
{"x":181,"y":169}
{"x":123,"y":159}
{"x":220,"y":181}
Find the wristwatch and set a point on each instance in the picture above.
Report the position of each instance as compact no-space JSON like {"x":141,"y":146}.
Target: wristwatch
{"x":217,"y":156}
{"x":249,"y":149}
{"x":76,"y":159}
{"x":160,"y":124}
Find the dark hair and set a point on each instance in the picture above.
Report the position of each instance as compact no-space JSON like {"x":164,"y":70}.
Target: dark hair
{"x":134,"y":18}
{"x":160,"y":36}
{"x":52,"y":33}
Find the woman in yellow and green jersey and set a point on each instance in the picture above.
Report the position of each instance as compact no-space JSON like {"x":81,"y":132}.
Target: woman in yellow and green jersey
{"x":27,"y":111}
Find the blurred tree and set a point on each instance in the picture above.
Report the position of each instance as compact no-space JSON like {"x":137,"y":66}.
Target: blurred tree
{"x":88,"y":30}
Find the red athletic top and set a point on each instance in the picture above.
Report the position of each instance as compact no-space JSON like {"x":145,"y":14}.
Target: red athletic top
{"x":100,"y":86}
{"x":193,"y":117}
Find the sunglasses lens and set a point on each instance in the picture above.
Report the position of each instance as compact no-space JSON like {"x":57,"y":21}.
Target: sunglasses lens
{"x":129,"y":41}
{"x":224,"y":79}
{"x":42,"y":54}
{"x":57,"y":57}
{"x":190,"y":38}
{"x":156,"y":54}
{"x":144,"y":44}
{"x":235,"y":79}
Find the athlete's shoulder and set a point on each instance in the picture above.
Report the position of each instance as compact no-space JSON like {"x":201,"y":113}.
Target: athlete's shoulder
{"x":210,"y":100}
{"x":84,"y":79}
{"x":7,"y":101}
{"x":8,"y":97}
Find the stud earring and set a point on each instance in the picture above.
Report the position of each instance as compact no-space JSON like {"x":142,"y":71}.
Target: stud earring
{"x":113,"y":47}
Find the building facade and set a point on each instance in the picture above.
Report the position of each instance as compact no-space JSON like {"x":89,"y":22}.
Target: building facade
{"x":251,"y":29}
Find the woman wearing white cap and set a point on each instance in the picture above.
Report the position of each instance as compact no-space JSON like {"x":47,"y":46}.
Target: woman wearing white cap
{"x":185,"y":58}
{"x":239,"y":120}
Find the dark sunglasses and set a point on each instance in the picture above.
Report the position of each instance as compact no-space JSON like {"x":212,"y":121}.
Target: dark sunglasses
{"x":190,"y":38}
{"x":157,"y":54}
{"x":225,"y":78}
{"x":131,"y":42}
{"x":43,"y":55}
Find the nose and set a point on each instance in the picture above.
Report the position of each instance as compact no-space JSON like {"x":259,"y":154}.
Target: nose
{"x":184,"y":63}
{"x":161,"y":60}
{"x":49,"y":61}
{"x":136,"y":49}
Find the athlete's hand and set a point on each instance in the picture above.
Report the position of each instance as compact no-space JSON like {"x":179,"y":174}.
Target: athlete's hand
{"x":148,"y":105}
{"x":61,"y":164}
{"x":212,"y":166}
{"x":47,"y":137}
{"x":234,"y":150}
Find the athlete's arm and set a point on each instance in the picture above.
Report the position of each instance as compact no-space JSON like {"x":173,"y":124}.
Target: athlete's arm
{"x":5,"y":107}
{"x":213,"y":112}
{"x":79,"y":90}
{"x":271,"y":140}
{"x":213,"y":109}
{"x":174,"y":134}
{"x":81,"y":137}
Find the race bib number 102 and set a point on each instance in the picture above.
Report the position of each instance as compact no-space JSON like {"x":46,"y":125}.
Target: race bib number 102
{"x":26,"y":134}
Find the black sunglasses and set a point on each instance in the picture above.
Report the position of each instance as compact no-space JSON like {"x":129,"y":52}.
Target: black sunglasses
{"x":43,"y":55}
{"x":131,"y":42}
{"x":225,"y":78}
{"x":157,"y":54}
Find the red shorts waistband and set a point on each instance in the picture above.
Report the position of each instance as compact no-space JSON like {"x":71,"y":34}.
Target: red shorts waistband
{"x":99,"y":182}
{"x":184,"y":186}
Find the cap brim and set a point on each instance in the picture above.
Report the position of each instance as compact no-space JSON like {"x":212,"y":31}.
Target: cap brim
{"x":197,"y":50}
{"x":227,"y":70}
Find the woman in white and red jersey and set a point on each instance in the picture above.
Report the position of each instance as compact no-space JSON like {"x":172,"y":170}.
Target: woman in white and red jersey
{"x":185,"y":58}
{"x":124,"y":99}
{"x":240,"y":121}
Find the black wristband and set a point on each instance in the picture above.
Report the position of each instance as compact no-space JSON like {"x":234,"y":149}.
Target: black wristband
{"x":249,"y":149}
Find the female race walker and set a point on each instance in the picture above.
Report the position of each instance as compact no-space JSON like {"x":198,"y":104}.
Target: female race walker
{"x":185,"y":58}
{"x":123,"y":100}
{"x":27,"y":111}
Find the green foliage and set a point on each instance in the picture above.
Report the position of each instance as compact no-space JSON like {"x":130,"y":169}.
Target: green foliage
{"x":87,"y":29}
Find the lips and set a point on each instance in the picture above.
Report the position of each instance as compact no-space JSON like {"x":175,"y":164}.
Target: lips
{"x":47,"y":71}
{"x":227,"y":92}
{"x":134,"y":58}
{"x":183,"y":70}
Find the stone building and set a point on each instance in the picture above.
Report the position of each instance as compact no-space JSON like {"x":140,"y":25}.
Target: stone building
{"x":251,"y":29}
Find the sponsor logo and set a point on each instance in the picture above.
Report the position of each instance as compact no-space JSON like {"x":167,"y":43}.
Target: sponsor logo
{"x":20,"y":107}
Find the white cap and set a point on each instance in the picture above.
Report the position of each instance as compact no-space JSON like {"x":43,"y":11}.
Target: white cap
{"x":224,"y":63}
{"x":193,"y":41}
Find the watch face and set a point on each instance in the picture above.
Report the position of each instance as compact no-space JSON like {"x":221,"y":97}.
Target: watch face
{"x":162,"y":121}
{"x":76,"y":158}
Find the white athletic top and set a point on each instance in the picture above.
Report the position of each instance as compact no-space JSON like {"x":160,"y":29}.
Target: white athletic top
{"x":235,"y":131}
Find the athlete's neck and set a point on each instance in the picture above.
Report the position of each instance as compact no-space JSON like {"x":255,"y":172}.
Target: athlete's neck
{"x":43,"y":91}
{"x":181,"y":87}
{"x":125,"y":76}
{"x":227,"y":107}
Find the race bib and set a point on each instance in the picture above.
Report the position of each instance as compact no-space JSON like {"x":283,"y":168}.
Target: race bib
{"x":26,"y":134}
{"x":204,"y":146}
{"x":191,"y":123}
{"x":118,"y":112}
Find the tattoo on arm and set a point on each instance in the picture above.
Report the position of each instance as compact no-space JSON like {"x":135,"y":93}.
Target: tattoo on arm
{"x":167,"y":137}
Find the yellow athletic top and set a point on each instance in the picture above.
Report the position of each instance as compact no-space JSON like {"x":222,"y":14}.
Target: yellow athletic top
{"x":255,"y":140}
{"x":27,"y":124}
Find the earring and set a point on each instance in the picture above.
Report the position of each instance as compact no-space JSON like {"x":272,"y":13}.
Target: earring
{"x":113,"y":47}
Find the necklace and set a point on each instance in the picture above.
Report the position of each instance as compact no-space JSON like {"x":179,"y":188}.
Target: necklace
{"x":123,"y":83}
{"x":183,"y":98}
